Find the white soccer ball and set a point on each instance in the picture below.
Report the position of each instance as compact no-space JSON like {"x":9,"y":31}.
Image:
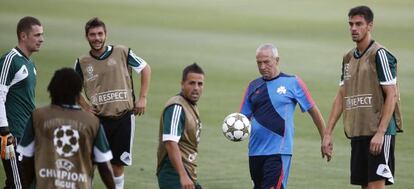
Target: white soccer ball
{"x":236,"y":127}
{"x":66,"y":141}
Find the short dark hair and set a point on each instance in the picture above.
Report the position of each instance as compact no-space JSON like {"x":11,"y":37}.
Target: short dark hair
{"x":65,"y":87}
{"x":93,"y":23}
{"x":364,"y":11}
{"x":25,"y":25}
{"x":193,"y":68}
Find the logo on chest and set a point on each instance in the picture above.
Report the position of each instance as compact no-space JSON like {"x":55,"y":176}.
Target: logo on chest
{"x":22,"y":74}
{"x":347,"y":71}
{"x":89,"y":70}
{"x":111,"y":62}
{"x":281,"y":90}
{"x":25,"y":71}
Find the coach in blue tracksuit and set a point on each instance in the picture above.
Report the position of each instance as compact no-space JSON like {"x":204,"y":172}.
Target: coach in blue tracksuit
{"x":270,"y":102}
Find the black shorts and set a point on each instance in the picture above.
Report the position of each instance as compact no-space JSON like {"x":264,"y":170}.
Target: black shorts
{"x":269,"y":171}
{"x":366,"y":167}
{"x":120,"y":135}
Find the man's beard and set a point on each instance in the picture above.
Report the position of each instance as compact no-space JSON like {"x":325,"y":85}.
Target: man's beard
{"x":97,"y":49}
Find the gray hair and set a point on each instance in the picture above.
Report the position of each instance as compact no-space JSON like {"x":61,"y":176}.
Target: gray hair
{"x":268,"y":46}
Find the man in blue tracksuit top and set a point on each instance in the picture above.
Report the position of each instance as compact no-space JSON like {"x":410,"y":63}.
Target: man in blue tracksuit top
{"x":270,"y":102}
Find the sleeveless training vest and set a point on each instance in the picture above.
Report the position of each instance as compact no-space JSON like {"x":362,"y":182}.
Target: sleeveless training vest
{"x":108,"y":83}
{"x":364,"y":98}
{"x":189,"y":139}
{"x":61,"y":161}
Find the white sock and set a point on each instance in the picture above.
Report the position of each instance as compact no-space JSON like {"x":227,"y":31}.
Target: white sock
{"x":119,"y":182}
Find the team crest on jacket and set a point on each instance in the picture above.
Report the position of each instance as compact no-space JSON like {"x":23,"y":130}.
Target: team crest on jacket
{"x":281,"y":90}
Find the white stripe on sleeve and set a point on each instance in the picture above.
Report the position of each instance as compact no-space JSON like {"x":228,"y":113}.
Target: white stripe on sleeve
{"x":384,"y":64}
{"x":139,"y":60}
{"x":6,"y":67}
{"x":170,"y":138}
{"x":175,"y":120}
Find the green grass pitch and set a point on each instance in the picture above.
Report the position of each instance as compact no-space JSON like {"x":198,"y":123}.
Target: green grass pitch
{"x":222,"y":37}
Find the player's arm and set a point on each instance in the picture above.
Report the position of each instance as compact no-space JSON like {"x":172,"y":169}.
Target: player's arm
{"x":174,"y":155}
{"x":306,"y":103}
{"x":4,"y":125}
{"x":336,"y":112}
{"x":386,"y":70}
{"x":173,"y":127}
{"x":7,"y":142}
{"x":107,"y":176}
{"x":390,"y":94}
{"x":7,"y":139}
{"x":317,"y":119}
{"x":4,"y":89}
{"x":319,"y":123}
{"x":140,"y":66}
{"x":145,"y":82}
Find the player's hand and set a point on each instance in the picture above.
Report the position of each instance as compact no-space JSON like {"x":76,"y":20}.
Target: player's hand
{"x":327,"y":147}
{"x":375,"y":146}
{"x":186,"y":183}
{"x":90,"y":109}
{"x":139,"y":108}
{"x":7,"y":146}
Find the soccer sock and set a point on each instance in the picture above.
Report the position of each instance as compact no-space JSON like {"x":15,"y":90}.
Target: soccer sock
{"x":119,"y":182}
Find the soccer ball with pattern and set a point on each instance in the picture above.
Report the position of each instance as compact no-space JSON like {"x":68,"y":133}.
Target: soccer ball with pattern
{"x":236,"y":127}
{"x":66,"y":141}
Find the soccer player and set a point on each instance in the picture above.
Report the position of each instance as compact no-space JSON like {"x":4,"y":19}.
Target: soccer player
{"x":270,"y":102}
{"x":62,"y":142}
{"x":368,"y":97}
{"x":180,"y":127}
{"x":17,"y":93}
{"x":106,"y":72}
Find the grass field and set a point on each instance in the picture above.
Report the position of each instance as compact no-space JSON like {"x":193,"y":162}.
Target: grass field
{"x":222,"y":37}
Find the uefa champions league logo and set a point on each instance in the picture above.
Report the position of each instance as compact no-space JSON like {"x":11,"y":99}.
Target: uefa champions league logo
{"x":347,"y":72}
{"x":66,"y":141}
{"x":89,"y":70}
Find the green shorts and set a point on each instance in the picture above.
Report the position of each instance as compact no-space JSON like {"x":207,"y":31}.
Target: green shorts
{"x":168,"y":177}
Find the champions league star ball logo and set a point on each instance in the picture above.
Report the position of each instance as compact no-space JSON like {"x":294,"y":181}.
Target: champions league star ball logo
{"x":236,"y":127}
{"x":66,"y":141}
{"x":89,"y":69}
{"x":90,"y":75}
